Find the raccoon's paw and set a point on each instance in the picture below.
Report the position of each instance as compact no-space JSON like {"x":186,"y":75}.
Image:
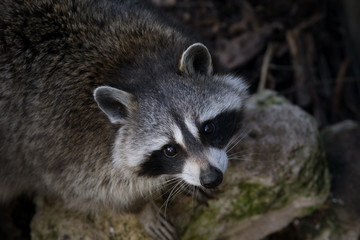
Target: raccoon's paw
{"x":155,"y":224}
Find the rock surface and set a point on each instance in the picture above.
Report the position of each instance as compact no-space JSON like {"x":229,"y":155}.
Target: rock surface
{"x":340,"y":220}
{"x":342,"y":145}
{"x":277,"y":173}
{"x":52,"y":222}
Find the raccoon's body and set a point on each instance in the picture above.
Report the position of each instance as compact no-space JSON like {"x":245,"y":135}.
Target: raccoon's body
{"x":102,"y":101}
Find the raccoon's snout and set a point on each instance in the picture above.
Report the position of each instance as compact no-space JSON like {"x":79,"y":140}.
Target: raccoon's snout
{"x":211,"y":177}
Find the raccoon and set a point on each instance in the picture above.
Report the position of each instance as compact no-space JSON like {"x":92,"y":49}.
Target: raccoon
{"x":102,"y":102}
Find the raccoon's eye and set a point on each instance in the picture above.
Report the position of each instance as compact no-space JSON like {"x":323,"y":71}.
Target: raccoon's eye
{"x":209,"y":128}
{"x":169,"y":151}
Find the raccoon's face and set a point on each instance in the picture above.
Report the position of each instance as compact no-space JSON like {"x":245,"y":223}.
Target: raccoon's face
{"x":182,"y":126}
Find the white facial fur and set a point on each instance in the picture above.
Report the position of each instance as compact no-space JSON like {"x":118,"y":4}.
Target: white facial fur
{"x":218,"y":158}
{"x":191,"y":170}
{"x":191,"y":173}
{"x":232,"y":100}
{"x":128,"y":154}
{"x":192,"y":127}
{"x":179,"y":138}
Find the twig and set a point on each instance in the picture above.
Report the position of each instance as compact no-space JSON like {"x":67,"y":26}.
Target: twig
{"x":280,"y":67}
{"x":312,"y":21}
{"x":338,"y":87}
{"x":298,"y":62}
{"x":265,"y":67}
{"x":302,"y":62}
{"x":271,"y":81}
{"x":250,"y":15}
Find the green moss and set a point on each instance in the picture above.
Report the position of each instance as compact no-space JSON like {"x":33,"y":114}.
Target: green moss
{"x":314,"y":176}
{"x":295,"y":152}
{"x":250,"y":199}
{"x":255,"y":199}
{"x":271,"y":99}
{"x":309,"y":210}
{"x":323,"y":181}
{"x":201,"y":222}
{"x":320,"y":222}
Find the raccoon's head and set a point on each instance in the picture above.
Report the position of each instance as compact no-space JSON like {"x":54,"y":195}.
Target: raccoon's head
{"x":178,"y":124}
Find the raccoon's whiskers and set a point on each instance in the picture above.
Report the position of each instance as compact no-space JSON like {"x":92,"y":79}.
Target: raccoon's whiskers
{"x":236,"y":140}
{"x":159,"y":186}
{"x":244,"y":156}
{"x":167,"y":182}
{"x":248,"y":156}
{"x":172,"y":189}
{"x":240,"y":158}
{"x":241,"y":153}
{"x":175,"y":191}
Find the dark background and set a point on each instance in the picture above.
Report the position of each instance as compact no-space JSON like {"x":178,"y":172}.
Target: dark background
{"x":312,"y":45}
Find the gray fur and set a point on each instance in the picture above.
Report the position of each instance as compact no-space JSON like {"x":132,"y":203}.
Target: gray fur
{"x":89,"y":89}
{"x":196,"y":59}
{"x":116,"y":104}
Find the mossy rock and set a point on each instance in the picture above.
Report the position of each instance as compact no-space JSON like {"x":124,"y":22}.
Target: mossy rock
{"x":277,"y":173}
{"x":52,"y":221}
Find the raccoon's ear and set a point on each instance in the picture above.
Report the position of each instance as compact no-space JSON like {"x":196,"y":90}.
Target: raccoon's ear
{"x":196,"y":59}
{"x":115,"y":103}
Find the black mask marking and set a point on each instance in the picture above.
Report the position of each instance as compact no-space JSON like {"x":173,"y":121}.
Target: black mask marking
{"x":158,"y":163}
{"x":225,"y":125}
{"x":193,"y":145}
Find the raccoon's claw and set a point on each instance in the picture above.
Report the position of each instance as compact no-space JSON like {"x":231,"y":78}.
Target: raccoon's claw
{"x":156,"y":225}
{"x":162,"y":229}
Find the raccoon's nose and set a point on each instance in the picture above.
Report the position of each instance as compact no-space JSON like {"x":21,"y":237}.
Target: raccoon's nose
{"x":211,"y":177}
